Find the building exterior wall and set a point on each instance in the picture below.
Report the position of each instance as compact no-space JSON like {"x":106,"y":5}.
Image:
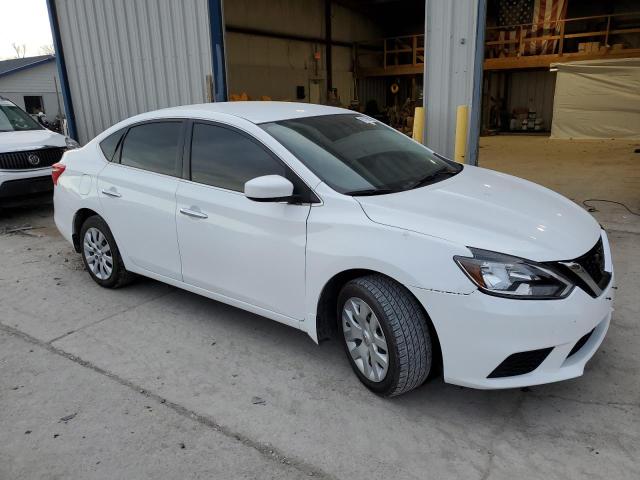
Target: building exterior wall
{"x":40,"y":80}
{"x":261,"y":65}
{"x":451,"y":69}
{"x":125,"y":57}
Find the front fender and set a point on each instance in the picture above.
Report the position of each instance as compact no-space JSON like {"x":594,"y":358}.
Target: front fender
{"x":341,"y":237}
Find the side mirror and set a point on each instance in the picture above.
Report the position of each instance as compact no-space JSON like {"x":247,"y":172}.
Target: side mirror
{"x":269,"y":188}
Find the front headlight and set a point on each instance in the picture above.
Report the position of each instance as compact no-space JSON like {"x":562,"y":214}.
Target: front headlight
{"x":513,"y":277}
{"x":71,"y":143}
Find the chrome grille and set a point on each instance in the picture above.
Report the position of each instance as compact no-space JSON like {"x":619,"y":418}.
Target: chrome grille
{"x":593,"y":261}
{"x":587,"y":271}
{"x":43,"y":157}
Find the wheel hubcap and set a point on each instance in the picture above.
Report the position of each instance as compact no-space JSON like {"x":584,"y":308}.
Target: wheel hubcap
{"x":97,"y":253}
{"x":365,"y":339}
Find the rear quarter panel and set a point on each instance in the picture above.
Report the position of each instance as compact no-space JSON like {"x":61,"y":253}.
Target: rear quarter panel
{"x":77,"y":186}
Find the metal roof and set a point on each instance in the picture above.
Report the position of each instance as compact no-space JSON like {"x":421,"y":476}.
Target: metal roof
{"x":17,"y":64}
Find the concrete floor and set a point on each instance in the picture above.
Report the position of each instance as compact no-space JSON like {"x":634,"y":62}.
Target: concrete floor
{"x":153,"y":382}
{"x":580,"y":170}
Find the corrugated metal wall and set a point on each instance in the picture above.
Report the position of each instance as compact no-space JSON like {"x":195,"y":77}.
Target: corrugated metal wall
{"x":372,"y":88}
{"x":449,"y":52}
{"x":125,"y":57}
{"x":533,"y":90}
{"x":38,"y":79}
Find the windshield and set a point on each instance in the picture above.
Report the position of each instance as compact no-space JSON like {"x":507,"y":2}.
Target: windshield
{"x":13,"y":119}
{"x":357,"y":155}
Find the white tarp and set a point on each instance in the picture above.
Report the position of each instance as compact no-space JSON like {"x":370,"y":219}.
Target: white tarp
{"x":597,"y":99}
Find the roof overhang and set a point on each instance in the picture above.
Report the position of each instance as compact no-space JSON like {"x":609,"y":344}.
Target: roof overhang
{"x":41,"y":61}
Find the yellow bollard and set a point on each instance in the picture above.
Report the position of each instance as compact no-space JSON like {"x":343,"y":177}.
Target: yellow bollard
{"x":462,"y":126}
{"x":418,"y":124}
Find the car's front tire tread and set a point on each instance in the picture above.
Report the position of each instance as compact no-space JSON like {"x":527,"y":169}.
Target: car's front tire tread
{"x":409,"y":328}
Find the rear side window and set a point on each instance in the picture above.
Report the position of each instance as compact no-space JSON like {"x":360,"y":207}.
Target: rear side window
{"x":224,"y":158}
{"x":110,"y":144}
{"x":153,"y":147}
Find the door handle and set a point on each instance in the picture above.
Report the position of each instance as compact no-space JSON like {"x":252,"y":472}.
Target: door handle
{"x":193,"y":213}
{"x":112,"y":193}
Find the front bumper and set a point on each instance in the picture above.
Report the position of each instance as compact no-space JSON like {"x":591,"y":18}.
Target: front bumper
{"x":478,"y":332}
{"x":17,"y":183}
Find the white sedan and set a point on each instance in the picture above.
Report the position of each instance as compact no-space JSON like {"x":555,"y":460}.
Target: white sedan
{"x":333,"y":223}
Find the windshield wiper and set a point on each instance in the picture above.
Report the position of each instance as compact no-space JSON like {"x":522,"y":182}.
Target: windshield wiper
{"x":369,"y":191}
{"x":432,"y":177}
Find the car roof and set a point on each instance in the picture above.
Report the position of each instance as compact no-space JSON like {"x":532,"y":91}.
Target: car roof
{"x":256,"y":112}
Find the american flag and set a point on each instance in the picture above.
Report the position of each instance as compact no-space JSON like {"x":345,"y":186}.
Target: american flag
{"x":544,"y":14}
{"x":515,"y":12}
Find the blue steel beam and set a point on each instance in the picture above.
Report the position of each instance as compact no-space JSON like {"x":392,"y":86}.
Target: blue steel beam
{"x":473,"y":143}
{"x":216,"y":21}
{"x":62,"y":70}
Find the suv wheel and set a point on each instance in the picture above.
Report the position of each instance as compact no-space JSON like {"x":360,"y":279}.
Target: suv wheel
{"x":386,"y":335}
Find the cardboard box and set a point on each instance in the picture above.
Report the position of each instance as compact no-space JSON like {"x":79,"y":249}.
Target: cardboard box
{"x":589,"y":47}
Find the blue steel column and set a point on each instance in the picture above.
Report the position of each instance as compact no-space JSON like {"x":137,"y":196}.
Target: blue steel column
{"x":62,"y":70}
{"x":219,"y":62}
{"x":473,"y":140}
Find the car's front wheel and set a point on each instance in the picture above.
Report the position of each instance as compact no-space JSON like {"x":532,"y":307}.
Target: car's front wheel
{"x":100,"y":254}
{"x":386,"y":335}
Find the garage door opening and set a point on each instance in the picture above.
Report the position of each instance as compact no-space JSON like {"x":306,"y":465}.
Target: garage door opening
{"x":366,"y":55}
{"x":525,"y":39}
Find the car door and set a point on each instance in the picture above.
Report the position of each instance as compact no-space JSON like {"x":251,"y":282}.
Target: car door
{"x":137,"y":193}
{"x":252,"y":252}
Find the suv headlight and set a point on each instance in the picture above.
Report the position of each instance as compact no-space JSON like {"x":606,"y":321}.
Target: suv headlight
{"x":71,"y":143}
{"x":513,"y":277}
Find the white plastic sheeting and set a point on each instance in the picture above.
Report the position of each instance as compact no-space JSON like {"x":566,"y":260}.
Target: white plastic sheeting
{"x":597,"y":99}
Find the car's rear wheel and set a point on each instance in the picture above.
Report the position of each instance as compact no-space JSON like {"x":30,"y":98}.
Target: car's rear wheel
{"x":100,"y":254}
{"x":386,"y":335}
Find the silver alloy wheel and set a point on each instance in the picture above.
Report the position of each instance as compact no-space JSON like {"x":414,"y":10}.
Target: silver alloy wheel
{"x":97,"y":253}
{"x":365,"y":339}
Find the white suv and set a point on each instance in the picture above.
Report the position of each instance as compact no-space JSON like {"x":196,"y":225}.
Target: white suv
{"x":325,"y":219}
{"x":27,"y":151}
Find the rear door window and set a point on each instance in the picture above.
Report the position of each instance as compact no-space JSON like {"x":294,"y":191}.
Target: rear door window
{"x":153,"y":147}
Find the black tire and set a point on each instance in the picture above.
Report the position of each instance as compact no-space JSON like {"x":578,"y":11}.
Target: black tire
{"x":119,"y":276}
{"x":405,"y":328}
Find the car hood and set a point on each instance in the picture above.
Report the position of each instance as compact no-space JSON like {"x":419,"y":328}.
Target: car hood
{"x":493,"y":211}
{"x":30,"y":140}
